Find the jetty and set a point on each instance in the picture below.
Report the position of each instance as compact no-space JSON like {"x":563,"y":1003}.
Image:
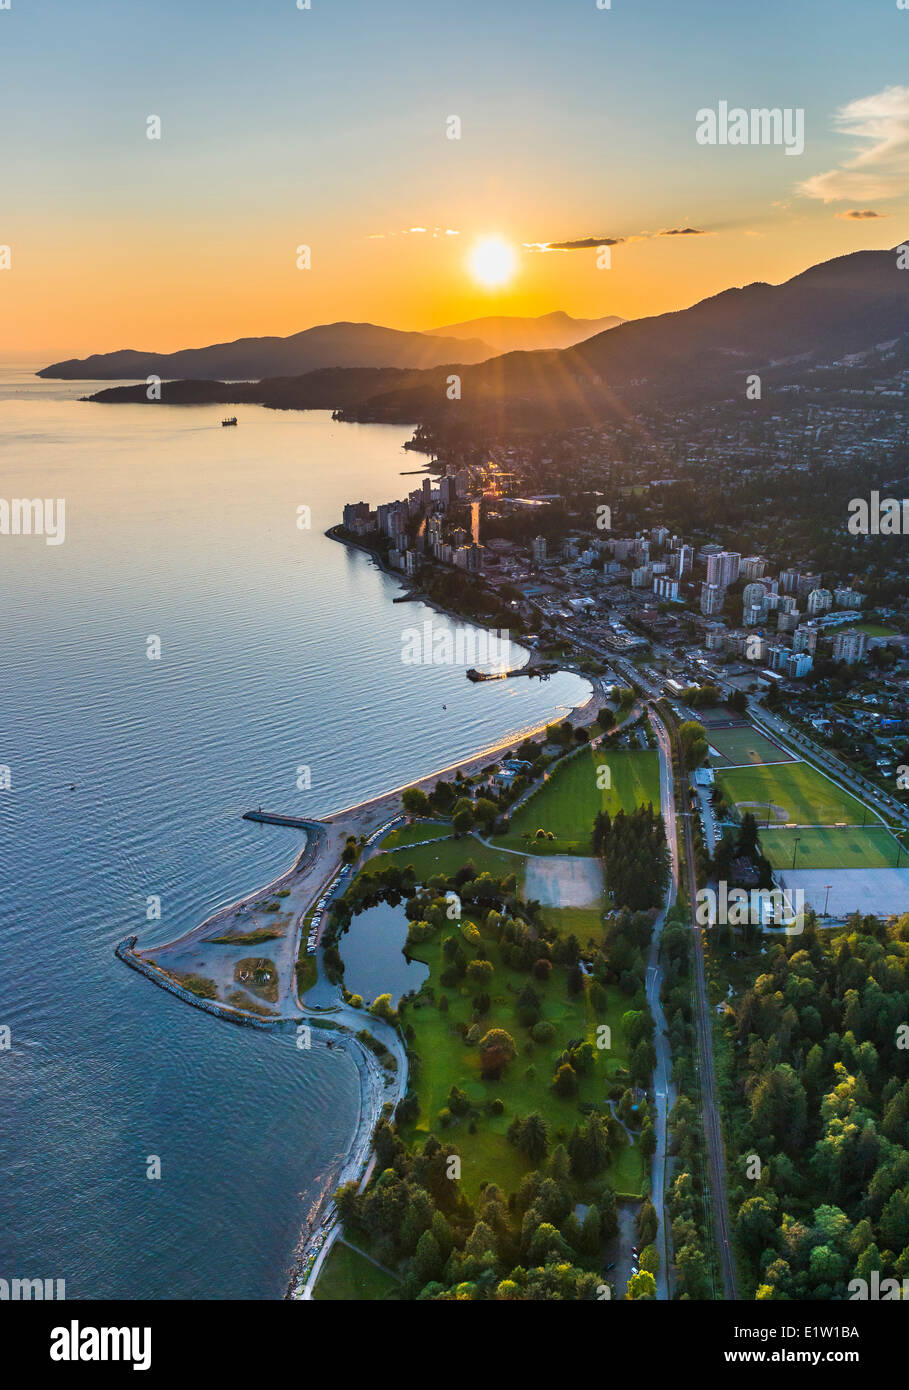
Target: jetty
{"x":543,"y":671}
{"x":273,"y":818}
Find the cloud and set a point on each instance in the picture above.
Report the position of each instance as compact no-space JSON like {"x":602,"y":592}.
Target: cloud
{"x":860,"y":215}
{"x":683,"y":231}
{"x":413,"y":231}
{"x":587,"y":243}
{"x":880,"y":167}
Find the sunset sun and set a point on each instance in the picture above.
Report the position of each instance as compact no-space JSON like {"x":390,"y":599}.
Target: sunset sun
{"x":492,"y":262}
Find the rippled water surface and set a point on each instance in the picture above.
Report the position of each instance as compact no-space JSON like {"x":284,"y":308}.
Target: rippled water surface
{"x":280,"y":648}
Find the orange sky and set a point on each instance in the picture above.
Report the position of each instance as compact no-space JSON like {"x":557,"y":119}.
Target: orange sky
{"x":165,"y":290}
{"x":329,"y":127}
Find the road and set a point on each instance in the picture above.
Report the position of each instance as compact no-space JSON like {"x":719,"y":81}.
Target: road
{"x":663,"y":1089}
{"x":713,"y":1130}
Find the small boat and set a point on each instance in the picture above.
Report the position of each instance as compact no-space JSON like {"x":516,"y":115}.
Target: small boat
{"x":232,"y":420}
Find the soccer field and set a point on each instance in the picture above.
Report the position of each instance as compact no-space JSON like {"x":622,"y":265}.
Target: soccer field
{"x":568,"y":802}
{"x":737,"y":747}
{"x":847,"y":848}
{"x":791,"y":792}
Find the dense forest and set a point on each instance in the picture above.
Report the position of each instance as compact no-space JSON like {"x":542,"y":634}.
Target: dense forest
{"x":816,"y":1094}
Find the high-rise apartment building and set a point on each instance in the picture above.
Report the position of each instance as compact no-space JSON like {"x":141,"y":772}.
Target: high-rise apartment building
{"x":723,"y":568}
{"x":819,"y":601}
{"x":712,"y":598}
{"x":850,"y":647}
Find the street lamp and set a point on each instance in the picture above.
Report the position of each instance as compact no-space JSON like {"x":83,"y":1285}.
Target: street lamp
{"x":827,"y":887}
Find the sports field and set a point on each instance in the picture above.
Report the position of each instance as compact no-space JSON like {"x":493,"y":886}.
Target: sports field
{"x":791,"y":792}
{"x":563,"y":880}
{"x":872,"y":629}
{"x":848,"y":848}
{"x":737,"y":747}
{"x":567,"y":803}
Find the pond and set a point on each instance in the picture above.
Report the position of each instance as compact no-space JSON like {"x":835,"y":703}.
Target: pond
{"x":373,"y":954}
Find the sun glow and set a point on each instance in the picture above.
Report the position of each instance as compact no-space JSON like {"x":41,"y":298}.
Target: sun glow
{"x":492,"y":262}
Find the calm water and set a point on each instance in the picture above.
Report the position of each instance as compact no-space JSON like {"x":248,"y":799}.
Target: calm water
{"x":372,"y":950}
{"x":280,"y":648}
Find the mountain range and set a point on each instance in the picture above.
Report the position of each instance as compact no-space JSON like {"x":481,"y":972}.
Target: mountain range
{"x":336,"y":345}
{"x":825,"y":316}
{"x":504,"y":334}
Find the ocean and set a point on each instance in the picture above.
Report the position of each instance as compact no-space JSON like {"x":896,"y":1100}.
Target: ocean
{"x":279,"y":650}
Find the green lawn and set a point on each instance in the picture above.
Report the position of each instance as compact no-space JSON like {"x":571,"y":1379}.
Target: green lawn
{"x":526,"y":1085}
{"x":582,"y":922}
{"x":349,"y":1277}
{"x":739,"y":746}
{"x":447,"y":857}
{"x":568,"y":801}
{"x":872,"y":629}
{"x":849,"y":848}
{"x":796,"y":789}
{"x":414,"y":834}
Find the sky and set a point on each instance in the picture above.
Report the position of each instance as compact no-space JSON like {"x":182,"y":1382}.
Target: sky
{"x":283,"y":127}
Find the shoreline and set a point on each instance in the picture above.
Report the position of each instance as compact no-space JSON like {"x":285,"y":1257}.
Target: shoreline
{"x":319,"y":860}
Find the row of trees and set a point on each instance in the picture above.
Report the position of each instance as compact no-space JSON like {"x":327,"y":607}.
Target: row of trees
{"x":636,"y":859}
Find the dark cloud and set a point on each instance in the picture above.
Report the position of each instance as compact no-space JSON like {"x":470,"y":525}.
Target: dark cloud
{"x":587,"y":243}
{"x":682,"y":231}
{"x":860,"y":215}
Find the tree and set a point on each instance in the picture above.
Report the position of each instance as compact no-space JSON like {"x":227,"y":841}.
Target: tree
{"x":479,"y":972}
{"x":428,"y":1262}
{"x":458,"y":1101}
{"x":463,"y":807}
{"x":566,"y":1080}
{"x":693,"y":738}
{"x":415,"y":802}
{"x":381,"y":1008}
{"x":591,"y":1232}
{"x":547,"y":1245}
{"x":647,"y":1223}
{"x":533,"y":1137}
{"x":497,"y":1049}
{"x":756,"y":1224}
{"x":642,"y":1285}
{"x":737,"y":702}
